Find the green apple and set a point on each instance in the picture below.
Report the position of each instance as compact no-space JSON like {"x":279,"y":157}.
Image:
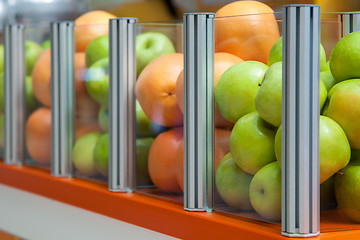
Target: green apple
{"x":268,"y":99}
{"x":31,"y":102}
{"x":265,"y":192}
{"x":83,"y":154}
{"x":345,"y":57}
{"x":103,"y":118}
{"x":101,"y":155}
{"x":144,"y":126}
{"x":2,"y":55}
{"x":46,"y":44}
{"x":275,"y":55}
{"x":232,"y":183}
{"x":327,"y":194}
{"x":237,"y":87}
{"x":151,"y":45}
{"x":343,"y":106}
{"x":347,"y":190}
{"x":32,"y":53}
{"x":142,"y":152}
{"x":326,"y":67}
{"x":97,"y":81}
{"x":327,"y":79}
{"x":97,"y":49}
{"x":252,"y":143}
{"x":333,"y":145}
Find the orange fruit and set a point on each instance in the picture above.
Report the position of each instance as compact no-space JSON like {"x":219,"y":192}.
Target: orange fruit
{"x":222,"y":61}
{"x":89,"y":26}
{"x":38,"y":135}
{"x":155,"y":90}
{"x":161,"y":160}
{"x":247,"y":29}
{"x":41,"y":76}
{"x":222,"y":138}
{"x":86,"y":125}
{"x":41,"y":81}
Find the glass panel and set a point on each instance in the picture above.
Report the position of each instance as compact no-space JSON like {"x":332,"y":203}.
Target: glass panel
{"x":38,"y":97}
{"x":1,"y":98}
{"x":91,"y":149}
{"x":339,"y":129}
{"x":159,"y":117}
{"x":244,"y":142}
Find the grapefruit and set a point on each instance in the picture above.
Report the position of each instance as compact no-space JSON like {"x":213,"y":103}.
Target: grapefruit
{"x":155,"y":90}
{"x":38,"y":135}
{"x":247,"y":29}
{"x":222,"y":61}
{"x":89,"y":26}
{"x":161,"y":160}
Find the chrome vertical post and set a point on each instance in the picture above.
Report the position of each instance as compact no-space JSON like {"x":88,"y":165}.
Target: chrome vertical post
{"x":62,"y":97}
{"x":300,"y":121}
{"x":122,"y":77}
{"x":14,"y":94}
{"x":198,"y":111}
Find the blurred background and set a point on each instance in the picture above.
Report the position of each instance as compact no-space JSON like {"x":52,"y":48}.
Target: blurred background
{"x":41,"y":12}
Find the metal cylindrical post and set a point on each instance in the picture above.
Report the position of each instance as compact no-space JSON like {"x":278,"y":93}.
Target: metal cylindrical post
{"x":350,"y":22}
{"x":122,"y":77}
{"x":14,"y":94}
{"x":62,"y":97}
{"x":198,"y":111}
{"x":300,"y":121}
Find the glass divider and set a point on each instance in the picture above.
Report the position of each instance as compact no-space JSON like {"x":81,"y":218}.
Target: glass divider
{"x":14,"y":90}
{"x":300,"y":118}
{"x":198,"y":110}
{"x":62,"y":97}
{"x":122,"y":133}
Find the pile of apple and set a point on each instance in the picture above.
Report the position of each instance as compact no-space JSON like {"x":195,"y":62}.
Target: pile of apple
{"x":248,"y":94}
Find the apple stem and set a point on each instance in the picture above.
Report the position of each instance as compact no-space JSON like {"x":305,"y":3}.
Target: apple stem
{"x":340,"y":173}
{"x":259,"y":84}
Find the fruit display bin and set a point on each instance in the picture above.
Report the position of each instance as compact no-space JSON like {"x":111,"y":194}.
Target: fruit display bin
{"x":203,"y":125}
{"x":159,"y":120}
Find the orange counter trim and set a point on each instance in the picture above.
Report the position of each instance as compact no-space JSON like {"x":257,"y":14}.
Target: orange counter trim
{"x":145,"y":211}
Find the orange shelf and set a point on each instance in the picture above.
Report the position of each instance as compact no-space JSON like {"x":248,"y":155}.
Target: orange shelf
{"x":145,"y":211}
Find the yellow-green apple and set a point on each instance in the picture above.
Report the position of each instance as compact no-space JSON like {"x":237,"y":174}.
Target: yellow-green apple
{"x":32,"y":53}
{"x":46,"y":44}
{"x":252,"y":143}
{"x":237,"y":87}
{"x":83,"y":154}
{"x":232,"y":183}
{"x":343,"y":106}
{"x":327,"y":194}
{"x":327,"y":79}
{"x":97,"y":81}
{"x":96,"y":50}
{"x":268,"y":99}
{"x":265,"y":192}
{"x":333,"y":145}
{"x":345,"y":57}
{"x":151,"y":45}
{"x":101,"y":155}
{"x":275,"y":55}
{"x":142,"y":152}
{"x":347,"y":190}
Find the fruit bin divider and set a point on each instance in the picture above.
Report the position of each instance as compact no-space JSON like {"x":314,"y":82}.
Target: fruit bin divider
{"x":14,"y":94}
